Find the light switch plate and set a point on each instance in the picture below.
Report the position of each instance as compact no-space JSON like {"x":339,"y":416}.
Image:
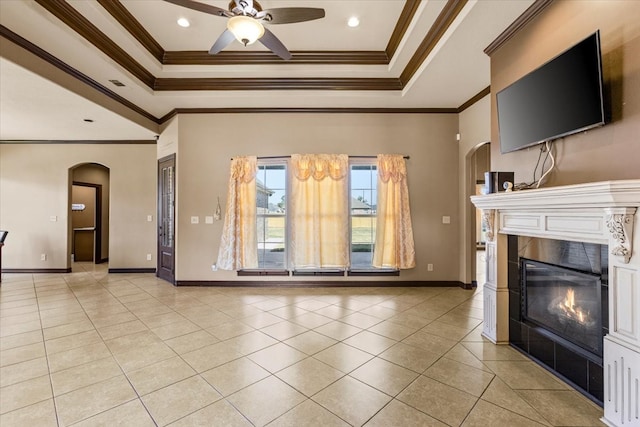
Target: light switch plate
{"x":446,"y":219}
{"x":208,"y":220}
{"x":195,"y":220}
{"x":149,"y":218}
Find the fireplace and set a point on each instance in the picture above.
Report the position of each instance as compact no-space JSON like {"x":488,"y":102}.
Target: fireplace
{"x":564,"y":302}
{"x":558,"y":291}
{"x":604,"y":214}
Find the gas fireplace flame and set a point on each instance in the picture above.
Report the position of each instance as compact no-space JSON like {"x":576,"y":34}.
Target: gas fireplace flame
{"x":571,"y":310}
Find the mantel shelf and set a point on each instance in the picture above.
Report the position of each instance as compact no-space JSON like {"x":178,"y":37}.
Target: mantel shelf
{"x":605,"y":194}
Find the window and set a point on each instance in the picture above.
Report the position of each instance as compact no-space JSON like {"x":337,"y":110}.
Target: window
{"x":277,"y":223}
{"x":271,"y":192}
{"x":363,"y":182}
{"x":271,"y":203}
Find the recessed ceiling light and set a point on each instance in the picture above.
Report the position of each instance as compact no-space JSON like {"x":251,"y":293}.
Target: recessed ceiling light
{"x":353,"y":22}
{"x":184,"y":22}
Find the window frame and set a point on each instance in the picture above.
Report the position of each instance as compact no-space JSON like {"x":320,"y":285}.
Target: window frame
{"x":369,"y":270}
{"x":263,"y":270}
{"x":288,"y":270}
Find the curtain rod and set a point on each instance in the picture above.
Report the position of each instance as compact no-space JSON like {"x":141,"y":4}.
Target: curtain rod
{"x":351,"y":157}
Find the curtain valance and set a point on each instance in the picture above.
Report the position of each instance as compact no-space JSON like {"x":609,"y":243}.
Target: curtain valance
{"x":244,"y":168}
{"x":391,"y":167}
{"x":320,"y":166}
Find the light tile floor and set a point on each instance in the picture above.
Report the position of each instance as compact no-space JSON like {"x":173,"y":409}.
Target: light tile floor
{"x":91,"y":348}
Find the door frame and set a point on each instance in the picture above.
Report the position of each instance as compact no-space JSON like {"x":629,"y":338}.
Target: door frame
{"x":470,"y":214}
{"x":163,"y":273}
{"x":97,"y":237}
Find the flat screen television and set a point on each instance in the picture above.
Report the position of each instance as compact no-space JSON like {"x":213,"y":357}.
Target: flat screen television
{"x":560,"y":98}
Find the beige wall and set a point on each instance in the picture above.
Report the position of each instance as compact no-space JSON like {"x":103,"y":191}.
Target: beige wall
{"x":607,"y":153}
{"x":208,"y":142}
{"x":34,"y":186}
{"x":475,"y":130}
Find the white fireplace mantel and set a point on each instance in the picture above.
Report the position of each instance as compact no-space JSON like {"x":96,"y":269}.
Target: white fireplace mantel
{"x":602,"y":212}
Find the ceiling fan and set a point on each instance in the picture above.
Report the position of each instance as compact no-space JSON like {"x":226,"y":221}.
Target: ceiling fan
{"x":245,"y":22}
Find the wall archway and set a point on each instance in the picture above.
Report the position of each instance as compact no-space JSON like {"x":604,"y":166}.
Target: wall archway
{"x":477,"y":161}
{"x":85,"y":179}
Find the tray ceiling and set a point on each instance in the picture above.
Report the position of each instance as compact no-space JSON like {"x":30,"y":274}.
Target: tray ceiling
{"x":60,"y":58}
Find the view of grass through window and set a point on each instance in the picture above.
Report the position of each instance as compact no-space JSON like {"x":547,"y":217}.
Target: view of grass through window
{"x":271,"y":201}
{"x":363,"y":179}
{"x":271,"y":192}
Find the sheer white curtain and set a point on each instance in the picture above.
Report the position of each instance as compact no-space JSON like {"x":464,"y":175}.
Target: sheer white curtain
{"x":239,"y":243}
{"x":319,"y":211}
{"x":394,"y":247}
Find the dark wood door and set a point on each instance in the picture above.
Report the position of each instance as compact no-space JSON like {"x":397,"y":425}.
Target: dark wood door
{"x":166,"y":218}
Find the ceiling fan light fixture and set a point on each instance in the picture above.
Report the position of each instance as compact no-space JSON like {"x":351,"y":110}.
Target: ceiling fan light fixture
{"x":246,"y":29}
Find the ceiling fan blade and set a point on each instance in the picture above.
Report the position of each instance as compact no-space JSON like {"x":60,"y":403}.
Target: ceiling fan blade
{"x":201,"y":7}
{"x":223,"y":41}
{"x":290,"y":15}
{"x":271,"y":42}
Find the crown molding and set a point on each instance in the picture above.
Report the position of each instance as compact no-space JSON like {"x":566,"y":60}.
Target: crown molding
{"x":305,"y":110}
{"x":284,"y":83}
{"x":527,"y":16}
{"x":201,"y":57}
{"x":81,"y":25}
{"x":120,"y":13}
{"x":80,"y":141}
{"x":66,"y":68}
{"x":135,"y":28}
{"x":404,"y":20}
{"x":68,"y":15}
{"x":35,"y":50}
{"x":477,"y":97}
{"x":76,"y":21}
{"x":446,"y":17}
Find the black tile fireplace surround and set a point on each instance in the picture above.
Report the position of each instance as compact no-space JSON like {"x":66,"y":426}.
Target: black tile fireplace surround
{"x":580,"y":361}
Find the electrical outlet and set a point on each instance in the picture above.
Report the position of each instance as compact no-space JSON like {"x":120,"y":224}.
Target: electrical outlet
{"x":195,"y":220}
{"x":149,"y":218}
{"x":43,"y":257}
{"x":148,"y":257}
{"x":446,"y":219}
{"x":429,"y":267}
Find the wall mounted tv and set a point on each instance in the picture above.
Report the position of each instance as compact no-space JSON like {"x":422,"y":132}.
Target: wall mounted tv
{"x":560,"y":98}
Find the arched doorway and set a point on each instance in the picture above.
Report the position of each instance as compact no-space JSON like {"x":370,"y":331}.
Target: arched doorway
{"x":478,"y":161}
{"x":89,"y":213}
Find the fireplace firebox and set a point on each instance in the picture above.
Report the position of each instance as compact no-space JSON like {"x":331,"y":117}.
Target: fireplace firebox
{"x":563,"y":302}
{"x":558,"y":300}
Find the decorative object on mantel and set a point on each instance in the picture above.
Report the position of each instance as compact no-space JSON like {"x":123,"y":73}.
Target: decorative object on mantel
{"x":620,"y":225}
